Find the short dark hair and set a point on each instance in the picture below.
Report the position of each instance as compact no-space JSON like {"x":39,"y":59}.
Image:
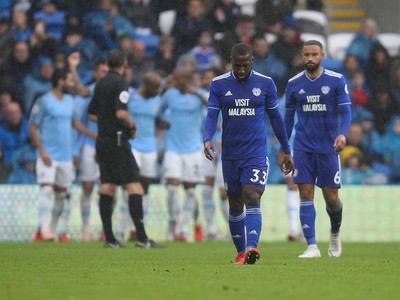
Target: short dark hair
{"x":116,"y":58}
{"x":241,"y":49}
{"x":313,"y":43}
{"x":57,"y":75}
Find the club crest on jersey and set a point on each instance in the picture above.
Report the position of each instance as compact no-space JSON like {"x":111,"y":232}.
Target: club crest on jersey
{"x":124,"y":97}
{"x":256,"y":92}
{"x":325,"y":89}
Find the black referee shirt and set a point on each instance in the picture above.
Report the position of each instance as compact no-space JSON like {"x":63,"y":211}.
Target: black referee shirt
{"x":110,"y":94}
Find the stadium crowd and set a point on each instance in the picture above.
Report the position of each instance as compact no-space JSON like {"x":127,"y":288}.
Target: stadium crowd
{"x":37,"y":37}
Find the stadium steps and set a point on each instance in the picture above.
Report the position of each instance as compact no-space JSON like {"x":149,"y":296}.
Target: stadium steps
{"x":344,"y":15}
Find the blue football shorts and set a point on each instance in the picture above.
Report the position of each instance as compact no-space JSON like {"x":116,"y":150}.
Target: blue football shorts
{"x":239,"y":172}
{"x":322,"y":170}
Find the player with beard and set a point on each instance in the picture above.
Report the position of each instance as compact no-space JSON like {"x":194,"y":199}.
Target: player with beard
{"x":321,"y":101}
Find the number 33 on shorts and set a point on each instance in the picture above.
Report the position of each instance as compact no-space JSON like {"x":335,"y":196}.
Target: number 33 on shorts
{"x":259,"y":177}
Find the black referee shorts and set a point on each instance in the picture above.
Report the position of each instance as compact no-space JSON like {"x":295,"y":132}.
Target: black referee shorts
{"x":117,"y":164}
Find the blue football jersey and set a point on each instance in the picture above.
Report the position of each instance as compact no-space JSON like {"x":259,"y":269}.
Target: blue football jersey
{"x":54,"y":120}
{"x":185,"y":114}
{"x":143,"y":112}
{"x":244,"y":113}
{"x":316,"y":103}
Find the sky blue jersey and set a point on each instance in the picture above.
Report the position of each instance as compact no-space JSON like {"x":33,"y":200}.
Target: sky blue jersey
{"x":244,"y":112}
{"x":143,"y":112}
{"x":185,"y":114}
{"x":82,"y":114}
{"x":317,"y":104}
{"x":54,"y":120}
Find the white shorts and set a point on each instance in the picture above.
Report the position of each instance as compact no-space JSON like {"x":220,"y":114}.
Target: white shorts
{"x":214,"y":170}
{"x":88,"y":167}
{"x":186,"y":167}
{"x":60,"y":173}
{"x":147,"y":162}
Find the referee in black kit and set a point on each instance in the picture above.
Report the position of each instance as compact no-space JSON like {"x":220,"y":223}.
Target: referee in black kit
{"x":114,"y":155}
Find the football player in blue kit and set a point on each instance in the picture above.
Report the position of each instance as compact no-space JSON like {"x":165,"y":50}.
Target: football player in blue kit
{"x":245,"y":98}
{"x":321,"y":101}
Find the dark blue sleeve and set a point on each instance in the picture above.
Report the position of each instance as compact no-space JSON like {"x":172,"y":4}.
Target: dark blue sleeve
{"x":289,"y":121}
{"x":344,"y":118}
{"x":279,"y":128}
{"x":210,"y":124}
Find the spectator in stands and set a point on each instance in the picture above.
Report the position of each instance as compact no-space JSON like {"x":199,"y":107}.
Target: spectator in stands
{"x":40,"y":42}
{"x":354,"y":171}
{"x":13,"y":131}
{"x":54,"y":18}
{"x":350,"y":66}
{"x":377,"y":69}
{"x":362,"y":43}
{"x":165,"y":59}
{"x":266,"y":62}
{"x":395,"y":82}
{"x":204,"y":53}
{"x":392,"y":155}
{"x":37,"y":83}
{"x":288,"y":45}
{"x":358,"y":92}
{"x":383,"y":107}
{"x":138,"y":61}
{"x":18,"y":65}
{"x":245,"y":30}
{"x":6,"y":40}
{"x":74,"y":41}
{"x":270,"y":13}
{"x":224,"y":14}
{"x":139,"y":14}
{"x":187,"y":29}
{"x":20,"y":29}
{"x":23,"y":169}
{"x":355,"y":138}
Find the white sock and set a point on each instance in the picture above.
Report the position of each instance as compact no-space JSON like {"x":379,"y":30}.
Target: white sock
{"x":45,"y":195}
{"x":85,"y":211}
{"x":292,"y":207}
{"x":172,"y":202}
{"x":57,"y":210}
{"x":225,"y":209}
{"x":188,"y":208}
{"x":66,"y":212}
{"x":209,"y":208}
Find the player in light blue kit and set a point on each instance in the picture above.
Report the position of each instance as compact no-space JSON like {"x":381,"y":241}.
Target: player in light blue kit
{"x":321,"y":101}
{"x":143,"y":108}
{"x":182,"y":107}
{"x":51,"y":133}
{"x":244,"y":98}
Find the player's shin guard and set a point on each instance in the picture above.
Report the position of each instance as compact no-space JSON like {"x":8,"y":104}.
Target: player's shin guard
{"x":106,"y":210}
{"x":307,"y":220}
{"x":188,"y":209}
{"x":66,"y":213}
{"x":209,"y":208}
{"x":45,"y":195}
{"x":85,"y":211}
{"x":238,"y":232}
{"x":136,"y":211}
{"x":335,"y":217}
{"x":253,"y":223}
{"x":172,"y":202}
{"x":57,"y":210}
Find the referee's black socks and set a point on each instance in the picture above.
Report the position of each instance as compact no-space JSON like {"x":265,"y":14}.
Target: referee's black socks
{"x":136,"y":211}
{"x":106,"y":210}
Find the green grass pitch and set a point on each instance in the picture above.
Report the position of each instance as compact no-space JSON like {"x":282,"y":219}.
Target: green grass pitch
{"x":196,"y":271}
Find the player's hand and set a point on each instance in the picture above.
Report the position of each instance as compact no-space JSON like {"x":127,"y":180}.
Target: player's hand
{"x":340,"y":143}
{"x":76,"y":160}
{"x":46,"y":158}
{"x":74,"y":59}
{"x":209,"y":150}
{"x":285,"y":162}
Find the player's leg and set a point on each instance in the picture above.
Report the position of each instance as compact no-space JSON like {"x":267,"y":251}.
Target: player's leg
{"x":329,"y":181}
{"x":192,"y":174}
{"x":172,"y":169}
{"x":209,"y":170}
{"x":46,"y":178}
{"x":305,"y":177}
{"x":292,"y":208}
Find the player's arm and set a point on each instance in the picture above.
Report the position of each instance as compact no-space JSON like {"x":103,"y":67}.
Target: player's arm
{"x":37,"y":143}
{"x":344,"y":115}
{"x":93,"y":107}
{"x":78,"y":125}
{"x":73,"y":62}
{"x":210,"y":125}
